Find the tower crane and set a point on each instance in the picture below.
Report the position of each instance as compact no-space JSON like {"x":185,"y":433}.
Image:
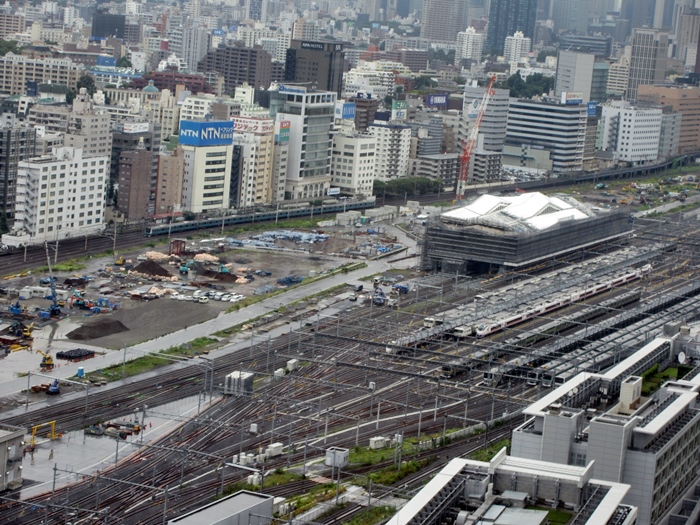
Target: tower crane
{"x":469,"y":144}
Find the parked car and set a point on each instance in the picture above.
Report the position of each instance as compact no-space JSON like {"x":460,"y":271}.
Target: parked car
{"x":202,"y":299}
{"x":352,"y":297}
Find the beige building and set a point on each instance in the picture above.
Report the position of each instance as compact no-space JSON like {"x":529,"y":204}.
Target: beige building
{"x":252,"y":182}
{"x":619,"y":77}
{"x":171,"y":169}
{"x":15,"y":70}
{"x":84,"y":126}
{"x":11,"y":24}
{"x":684,"y":100}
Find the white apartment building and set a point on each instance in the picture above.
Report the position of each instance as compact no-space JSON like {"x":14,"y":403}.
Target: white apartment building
{"x":276,"y":46}
{"x":369,"y":80}
{"x":311,"y":116}
{"x":15,"y":70}
{"x":632,"y":133}
{"x":196,"y":107}
{"x":255,"y":138}
{"x":59,"y":196}
{"x":207,"y":177}
{"x":516,"y":47}
{"x":353,"y":166}
{"x":470,"y":45}
{"x":393,"y":149}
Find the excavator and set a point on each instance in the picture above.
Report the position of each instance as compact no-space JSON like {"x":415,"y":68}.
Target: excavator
{"x":46,"y":360}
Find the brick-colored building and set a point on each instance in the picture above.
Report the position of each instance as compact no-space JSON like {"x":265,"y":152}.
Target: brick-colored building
{"x":134,"y":179}
{"x":684,"y":100}
{"x":171,"y":168}
{"x":238,"y":65}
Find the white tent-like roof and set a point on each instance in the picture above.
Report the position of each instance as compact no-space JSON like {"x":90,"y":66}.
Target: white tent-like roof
{"x":525,"y":212}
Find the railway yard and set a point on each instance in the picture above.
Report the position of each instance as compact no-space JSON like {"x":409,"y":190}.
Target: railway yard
{"x":441,"y":373}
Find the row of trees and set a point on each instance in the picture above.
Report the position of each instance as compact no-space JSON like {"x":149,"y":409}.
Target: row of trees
{"x":406,"y":187}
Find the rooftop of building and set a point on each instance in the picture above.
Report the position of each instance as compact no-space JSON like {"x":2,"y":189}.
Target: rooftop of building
{"x":483,"y":503}
{"x":219,"y":510}
{"x":527,"y":212}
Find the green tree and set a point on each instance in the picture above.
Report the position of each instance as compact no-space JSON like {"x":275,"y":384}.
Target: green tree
{"x":124,"y":62}
{"x":534,"y":85}
{"x":87,"y":82}
{"x":4,"y":228}
{"x":7,"y":46}
{"x":424,"y":82}
{"x":542,"y":55}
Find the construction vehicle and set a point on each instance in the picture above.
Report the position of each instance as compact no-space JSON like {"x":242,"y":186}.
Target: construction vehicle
{"x":469,"y":145}
{"x":46,"y":360}
{"x":601,"y":186}
{"x":54,"y":389}
{"x":18,"y":347}
{"x":120,"y":260}
{"x":54,"y":309}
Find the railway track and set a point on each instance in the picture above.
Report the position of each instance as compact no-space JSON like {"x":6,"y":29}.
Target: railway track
{"x":330,"y":392}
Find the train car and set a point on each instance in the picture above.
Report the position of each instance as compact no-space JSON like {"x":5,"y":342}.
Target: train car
{"x":230,"y":220}
{"x":432,"y":322}
{"x":551,"y":305}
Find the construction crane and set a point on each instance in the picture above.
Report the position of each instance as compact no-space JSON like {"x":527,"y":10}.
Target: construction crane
{"x":54,"y":309}
{"x":469,"y":144}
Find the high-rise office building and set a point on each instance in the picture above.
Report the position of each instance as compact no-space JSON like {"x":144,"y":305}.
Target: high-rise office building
{"x":321,"y":64}
{"x":684,"y":100}
{"x":239,"y":64}
{"x":581,"y":73}
{"x":134,"y":177}
{"x":505,"y":18}
{"x":17,"y":143}
{"x":107,"y":25}
{"x":195,"y":44}
{"x":570,"y":16}
{"x":442,"y":20}
{"x":311,"y":116}
{"x":648,"y":59}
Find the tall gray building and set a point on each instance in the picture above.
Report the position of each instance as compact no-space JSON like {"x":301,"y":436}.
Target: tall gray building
{"x":582,"y":73}
{"x":648,"y":60}
{"x":17,"y":143}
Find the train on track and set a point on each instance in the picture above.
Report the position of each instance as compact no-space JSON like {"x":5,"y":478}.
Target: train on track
{"x":282,"y":214}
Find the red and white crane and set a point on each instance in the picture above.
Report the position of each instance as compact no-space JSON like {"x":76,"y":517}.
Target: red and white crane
{"x":469,"y":144}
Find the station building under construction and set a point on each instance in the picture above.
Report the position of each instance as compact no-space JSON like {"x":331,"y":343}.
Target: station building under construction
{"x":495,"y":232}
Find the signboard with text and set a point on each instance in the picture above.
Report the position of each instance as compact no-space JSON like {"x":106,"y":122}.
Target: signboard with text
{"x":571,"y":98}
{"x":135,"y":127}
{"x":437,"y":100}
{"x":592,"y":107}
{"x":210,"y":133}
{"x":291,"y":89}
{"x":345,"y":110}
{"x":262,"y":126}
{"x":282,"y":129}
{"x":399,"y":109}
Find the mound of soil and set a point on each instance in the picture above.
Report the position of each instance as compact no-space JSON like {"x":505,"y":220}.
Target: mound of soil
{"x":221,"y":276}
{"x":100,"y":328}
{"x":152,"y":268}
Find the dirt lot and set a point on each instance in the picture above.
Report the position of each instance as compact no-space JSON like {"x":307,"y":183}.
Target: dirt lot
{"x":146,"y":320}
